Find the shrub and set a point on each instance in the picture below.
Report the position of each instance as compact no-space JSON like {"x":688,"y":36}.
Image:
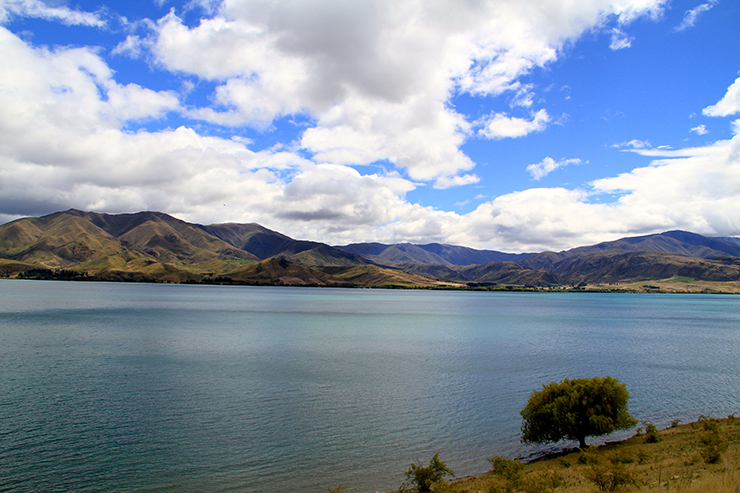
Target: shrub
{"x":651,"y":433}
{"x":642,"y":456}
{"x":712,"y":447}
{"x":708,"y":423}
{"x":423,"y":478}
{"x":675,"y":422}
{"x":609,"y":478}
{"x":622,"y":457}
{"x":505,"y":467}
{"x":589,"y":456}
{"x":540,"y":482}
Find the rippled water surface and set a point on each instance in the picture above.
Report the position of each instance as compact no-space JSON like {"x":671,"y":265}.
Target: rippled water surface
{"x":176,"y":388}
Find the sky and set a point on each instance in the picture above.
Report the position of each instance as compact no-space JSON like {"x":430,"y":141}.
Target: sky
{"x":511,"y":125}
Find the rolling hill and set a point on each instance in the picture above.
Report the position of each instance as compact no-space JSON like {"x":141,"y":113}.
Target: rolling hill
{"x":430,"y":254}
{"x":156,"y":247}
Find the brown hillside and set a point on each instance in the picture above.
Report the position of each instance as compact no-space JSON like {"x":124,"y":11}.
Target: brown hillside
{"x":278,"y":271}
{"x":372,"y":276}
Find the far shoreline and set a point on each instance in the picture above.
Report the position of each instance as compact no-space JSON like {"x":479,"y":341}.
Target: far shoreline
{"x":638,"y":287}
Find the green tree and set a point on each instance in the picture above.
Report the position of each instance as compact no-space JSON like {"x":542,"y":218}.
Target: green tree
{"x":574,"y":409}
{"x":423,"y":478}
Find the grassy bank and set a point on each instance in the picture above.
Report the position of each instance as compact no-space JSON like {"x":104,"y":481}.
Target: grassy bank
{"x":698,"y":457}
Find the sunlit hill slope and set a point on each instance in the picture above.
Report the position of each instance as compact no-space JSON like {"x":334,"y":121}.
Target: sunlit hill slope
{"x":156,"y":247}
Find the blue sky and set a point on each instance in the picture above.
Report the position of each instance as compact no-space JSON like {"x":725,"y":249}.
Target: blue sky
{"x":514,"y":125}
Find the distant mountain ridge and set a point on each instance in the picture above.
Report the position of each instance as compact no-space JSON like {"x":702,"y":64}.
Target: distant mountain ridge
{"x":432,"y":254}
{"x":153,"y":246}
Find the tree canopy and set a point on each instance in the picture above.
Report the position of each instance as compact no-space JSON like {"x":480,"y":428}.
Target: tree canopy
{"x":574,"y":409}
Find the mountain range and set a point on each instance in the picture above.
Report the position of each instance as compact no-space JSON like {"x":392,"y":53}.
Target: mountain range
{"x":156,"y":247}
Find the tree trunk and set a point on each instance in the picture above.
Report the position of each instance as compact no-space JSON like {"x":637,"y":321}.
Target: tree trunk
{"x":582,"y":443}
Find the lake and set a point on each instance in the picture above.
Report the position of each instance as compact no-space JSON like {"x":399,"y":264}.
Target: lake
{"x":187,"y":388}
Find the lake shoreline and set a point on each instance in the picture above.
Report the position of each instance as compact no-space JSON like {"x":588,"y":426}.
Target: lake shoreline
{"x":697,"y":457}
{"x":638,"y":287}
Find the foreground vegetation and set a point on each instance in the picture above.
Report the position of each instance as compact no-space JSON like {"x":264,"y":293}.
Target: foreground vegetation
{"x":698,"y":457}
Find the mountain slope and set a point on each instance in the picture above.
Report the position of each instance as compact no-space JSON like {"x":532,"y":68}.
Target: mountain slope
{"x":153,"y":246}
{"x":676,"y":242}
{"x":372,"y":275}
{"x":60,"y":240}
{"x":671,"y":242}
{"x":491,"y":273}
{"x":101,"y":243}
{"x":278,"y":271}
{"x":429,"y":254}
{"x":265,"y":243}
{"x":612,"y":267}
{"x":258,"y":240}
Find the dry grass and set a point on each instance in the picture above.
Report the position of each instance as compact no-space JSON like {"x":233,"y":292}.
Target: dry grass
{"x":674,"y":285}
{"x":675,"y":464}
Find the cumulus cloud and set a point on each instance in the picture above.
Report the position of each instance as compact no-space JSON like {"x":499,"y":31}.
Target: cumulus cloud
{"x":694,"y":189}
{"x":73,"y":148}
{"x":548,"y":165}
{"x":690,"y":17}
{"x":728,"y":105}
{"x":378,"y":74}
{"x":700,"y":130}
{"x":70,"y":133}
{"x":501,"y":126}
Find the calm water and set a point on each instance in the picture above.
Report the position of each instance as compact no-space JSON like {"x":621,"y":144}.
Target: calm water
{"x":175,"y":388}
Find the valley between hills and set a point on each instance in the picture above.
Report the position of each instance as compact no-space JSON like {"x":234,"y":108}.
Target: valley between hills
{"x":156,"y":247}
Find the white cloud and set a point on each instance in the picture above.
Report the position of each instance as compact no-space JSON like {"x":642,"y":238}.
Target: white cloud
{"x":68,"y":135}
{"x":692,"y":15}
{"x":501,"y":126}
{"x":40,"y":9}
{"x":700,"y":130}
{"x":70,"y":149}
{"x":693,"y":189}
{"x":547,"y":166}
{"x":633,"y":144}
{"x":379,"y":72}
{"x":132,"y":47}
{"x":455,"y":181}
{"x":535,"y":220}
{"x":620,"y":40}
{"x":728,"y":105}
{"x":422,"y":137}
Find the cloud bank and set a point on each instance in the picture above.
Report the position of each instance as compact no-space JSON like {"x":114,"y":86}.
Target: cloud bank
{"x":374,"y":80}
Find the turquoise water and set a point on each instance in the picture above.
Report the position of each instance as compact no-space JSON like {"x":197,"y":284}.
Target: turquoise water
{"x":178,"y":388}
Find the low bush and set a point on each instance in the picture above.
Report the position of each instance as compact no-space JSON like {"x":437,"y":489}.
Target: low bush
{"x":424,"y":478}
{"x":505,"y":467}
{"x":622,"y":457}
{"x":588,"y":456}
{"x":708,"y":423}
{"x":651,"y":433}
{"x":642,"y":456}
{"x":712,"y":447}
{"x":610,"y":478}
{"x":540,"y":482}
